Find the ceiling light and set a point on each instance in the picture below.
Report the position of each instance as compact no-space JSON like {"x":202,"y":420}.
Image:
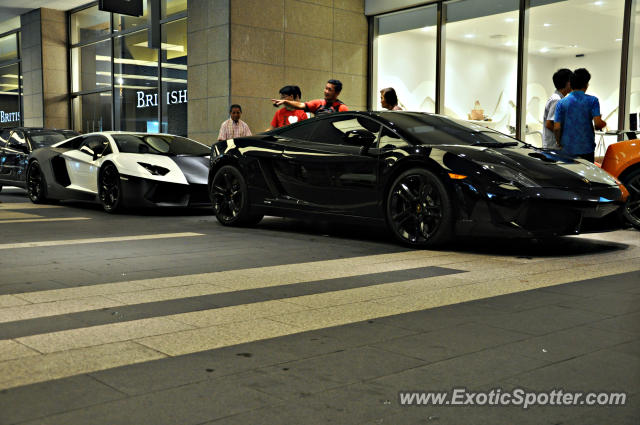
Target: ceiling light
{"x":120,"y":81}
{"x":573,"y":46}
{"x":618,"y":39}
{"x":508,"y":44}
{"x":469,"y":36}
{"x":547,"y":25}
{"x":510,"y":19}
{"x":544,"y":50}
{"x":425,"y":29}
{"x":598,"y":3}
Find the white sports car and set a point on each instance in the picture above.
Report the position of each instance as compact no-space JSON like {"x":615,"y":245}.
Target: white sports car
{"x":121,"y":169}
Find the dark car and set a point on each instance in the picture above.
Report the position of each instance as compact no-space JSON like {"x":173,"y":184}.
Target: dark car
{"x":15,"y":146}
{"x":426,"y":176}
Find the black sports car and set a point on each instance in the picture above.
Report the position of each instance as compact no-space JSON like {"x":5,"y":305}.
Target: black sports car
{"x":427,"y":176}
{"x":120,"y":170}
{"x":15,"y":146}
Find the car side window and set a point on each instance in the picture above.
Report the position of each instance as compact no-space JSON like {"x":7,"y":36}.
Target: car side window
{"x":390,"y":140}
{"x":300,"y":131}
{"x":17,"y":139}
{"x":99,"y":145}
{"x":340,"y":130}
{"x":4,"y":138}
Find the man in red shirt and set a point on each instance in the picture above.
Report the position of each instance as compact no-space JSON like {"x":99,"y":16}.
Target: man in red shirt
{"x":328,"y":105}
{"x":288,"y":115}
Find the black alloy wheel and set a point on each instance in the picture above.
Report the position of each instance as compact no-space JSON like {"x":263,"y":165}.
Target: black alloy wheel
{"x":418,"y":209}
{"x":110,"y":188}
{"x":36,"y":183}
{"x":230,"y":198}
{"x":632,"y":208}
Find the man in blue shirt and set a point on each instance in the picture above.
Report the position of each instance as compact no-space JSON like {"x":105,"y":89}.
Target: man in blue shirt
{"x":574,"y":113}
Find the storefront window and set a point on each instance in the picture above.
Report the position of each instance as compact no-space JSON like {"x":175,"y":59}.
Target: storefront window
{"x":10,"y":96}
{"x":171,"y":7}
{"x":481,"y":62}
{"x":633,"y":90}
{"x":174,"y":78}
{"x":89,"y":24}
{"x":594,"y":42}
{"x":91,"y":66}
{"x":125,"y":22}
{"x":9,"y":47}
{"x":136,"y":84}
{"x":405,"y":58}
{"x":92,"y":112}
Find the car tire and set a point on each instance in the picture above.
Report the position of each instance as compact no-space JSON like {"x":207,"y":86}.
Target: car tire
{"x":110,"y":188}
{"x":631,"y":211}
{"x":36,"y":183}
{"x":230,"y":198}
{"x":418,"y":209}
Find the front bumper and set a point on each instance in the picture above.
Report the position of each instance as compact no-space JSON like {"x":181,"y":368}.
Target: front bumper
{"x":138,"y":192}
{"x":541,"y":212}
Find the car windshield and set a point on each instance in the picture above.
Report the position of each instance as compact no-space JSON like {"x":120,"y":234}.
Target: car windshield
{"x":437,"y":129}
{"x":40,"y":139}
{"x":159,"y":144}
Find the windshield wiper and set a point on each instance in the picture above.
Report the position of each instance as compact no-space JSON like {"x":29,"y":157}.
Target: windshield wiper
{"x":494,"y":144}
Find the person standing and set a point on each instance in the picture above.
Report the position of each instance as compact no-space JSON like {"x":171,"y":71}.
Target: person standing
{"x":234,"y":126}
{"x":573,"y":119}
{"x":328,"y":105}
{"x":288,"y":115}
{"x":561,"y":80}
{"x":389,"y":99}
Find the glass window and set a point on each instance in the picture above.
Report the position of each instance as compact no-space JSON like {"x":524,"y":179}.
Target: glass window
{"x":126,"y":22}
{"x":9,"y":47}
{"x":405,"y":58}
{"x":17,"y":139}
{"x":633,"y":90}
{"x":481,"y":65}
{"x":171,"y":7}
{"x":91,"y":66}
{"x":174,"y":77}
{"x":92,"y":112}
{"x":40,"y":139}
{"x":592,"y":39}
{"x":334,"y":130}
{"x":9,"y":96}
{"x":88,"y":24}
{"x":301,"y":130}
{"x":4,"y":137}
{"x":136,"y":84}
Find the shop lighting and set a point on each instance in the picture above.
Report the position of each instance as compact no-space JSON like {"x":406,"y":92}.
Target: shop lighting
{"x":164,"y":46}
{"x":618,"y":39}
{"x":142,"y":77}
{"x":469,"y":36}
{"x":544,"y":50}
{"x":425,"y":29}
{"x":510,"y":19}
{"x":598,"y":3}
{"x":153,"y":64}
{"x":546,"y":25}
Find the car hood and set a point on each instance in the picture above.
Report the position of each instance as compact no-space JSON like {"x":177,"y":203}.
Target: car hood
{"x":546,"y":168}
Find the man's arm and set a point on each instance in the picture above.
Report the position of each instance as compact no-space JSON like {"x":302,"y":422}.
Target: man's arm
{"x":222,"y":134}
{"x":549,"y":124}
{"x":599,"y":123}
{"x":557,"y":130}
{"x":291,"y":103}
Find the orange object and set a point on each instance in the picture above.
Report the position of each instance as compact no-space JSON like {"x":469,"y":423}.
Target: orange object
{"x":457,"y":176}
{"x":621,"y":156}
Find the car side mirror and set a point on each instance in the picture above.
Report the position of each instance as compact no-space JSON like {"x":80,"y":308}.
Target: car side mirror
{"x":89,"y":151}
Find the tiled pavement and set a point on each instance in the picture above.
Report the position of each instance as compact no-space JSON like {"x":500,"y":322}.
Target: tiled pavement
{"x":291,"y":326}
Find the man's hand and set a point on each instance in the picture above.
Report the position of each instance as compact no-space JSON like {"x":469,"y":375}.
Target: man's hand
{"x":599,"y":123}
{"x":278,"y":102}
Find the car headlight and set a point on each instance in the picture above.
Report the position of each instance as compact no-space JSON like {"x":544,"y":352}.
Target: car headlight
{"x":154,"y":169}
{"x":510,"y":175}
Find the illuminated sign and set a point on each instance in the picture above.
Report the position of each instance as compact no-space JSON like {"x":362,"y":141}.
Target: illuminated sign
{"x":173,"y":97}
{"x":9,"y":116}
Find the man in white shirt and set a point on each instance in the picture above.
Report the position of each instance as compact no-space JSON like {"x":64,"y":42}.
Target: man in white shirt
{"x":234,"y":126}
{"x":561,"y":80}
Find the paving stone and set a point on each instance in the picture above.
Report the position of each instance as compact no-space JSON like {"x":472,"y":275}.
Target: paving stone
{"x":568,"y":343}
{"x":612,"y":304}
{"x":49,"y":398}
{"x":623,"y":323}
{"x":186,"y":405}
{"x":450,"y":342}
{"x":543,"y":320}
